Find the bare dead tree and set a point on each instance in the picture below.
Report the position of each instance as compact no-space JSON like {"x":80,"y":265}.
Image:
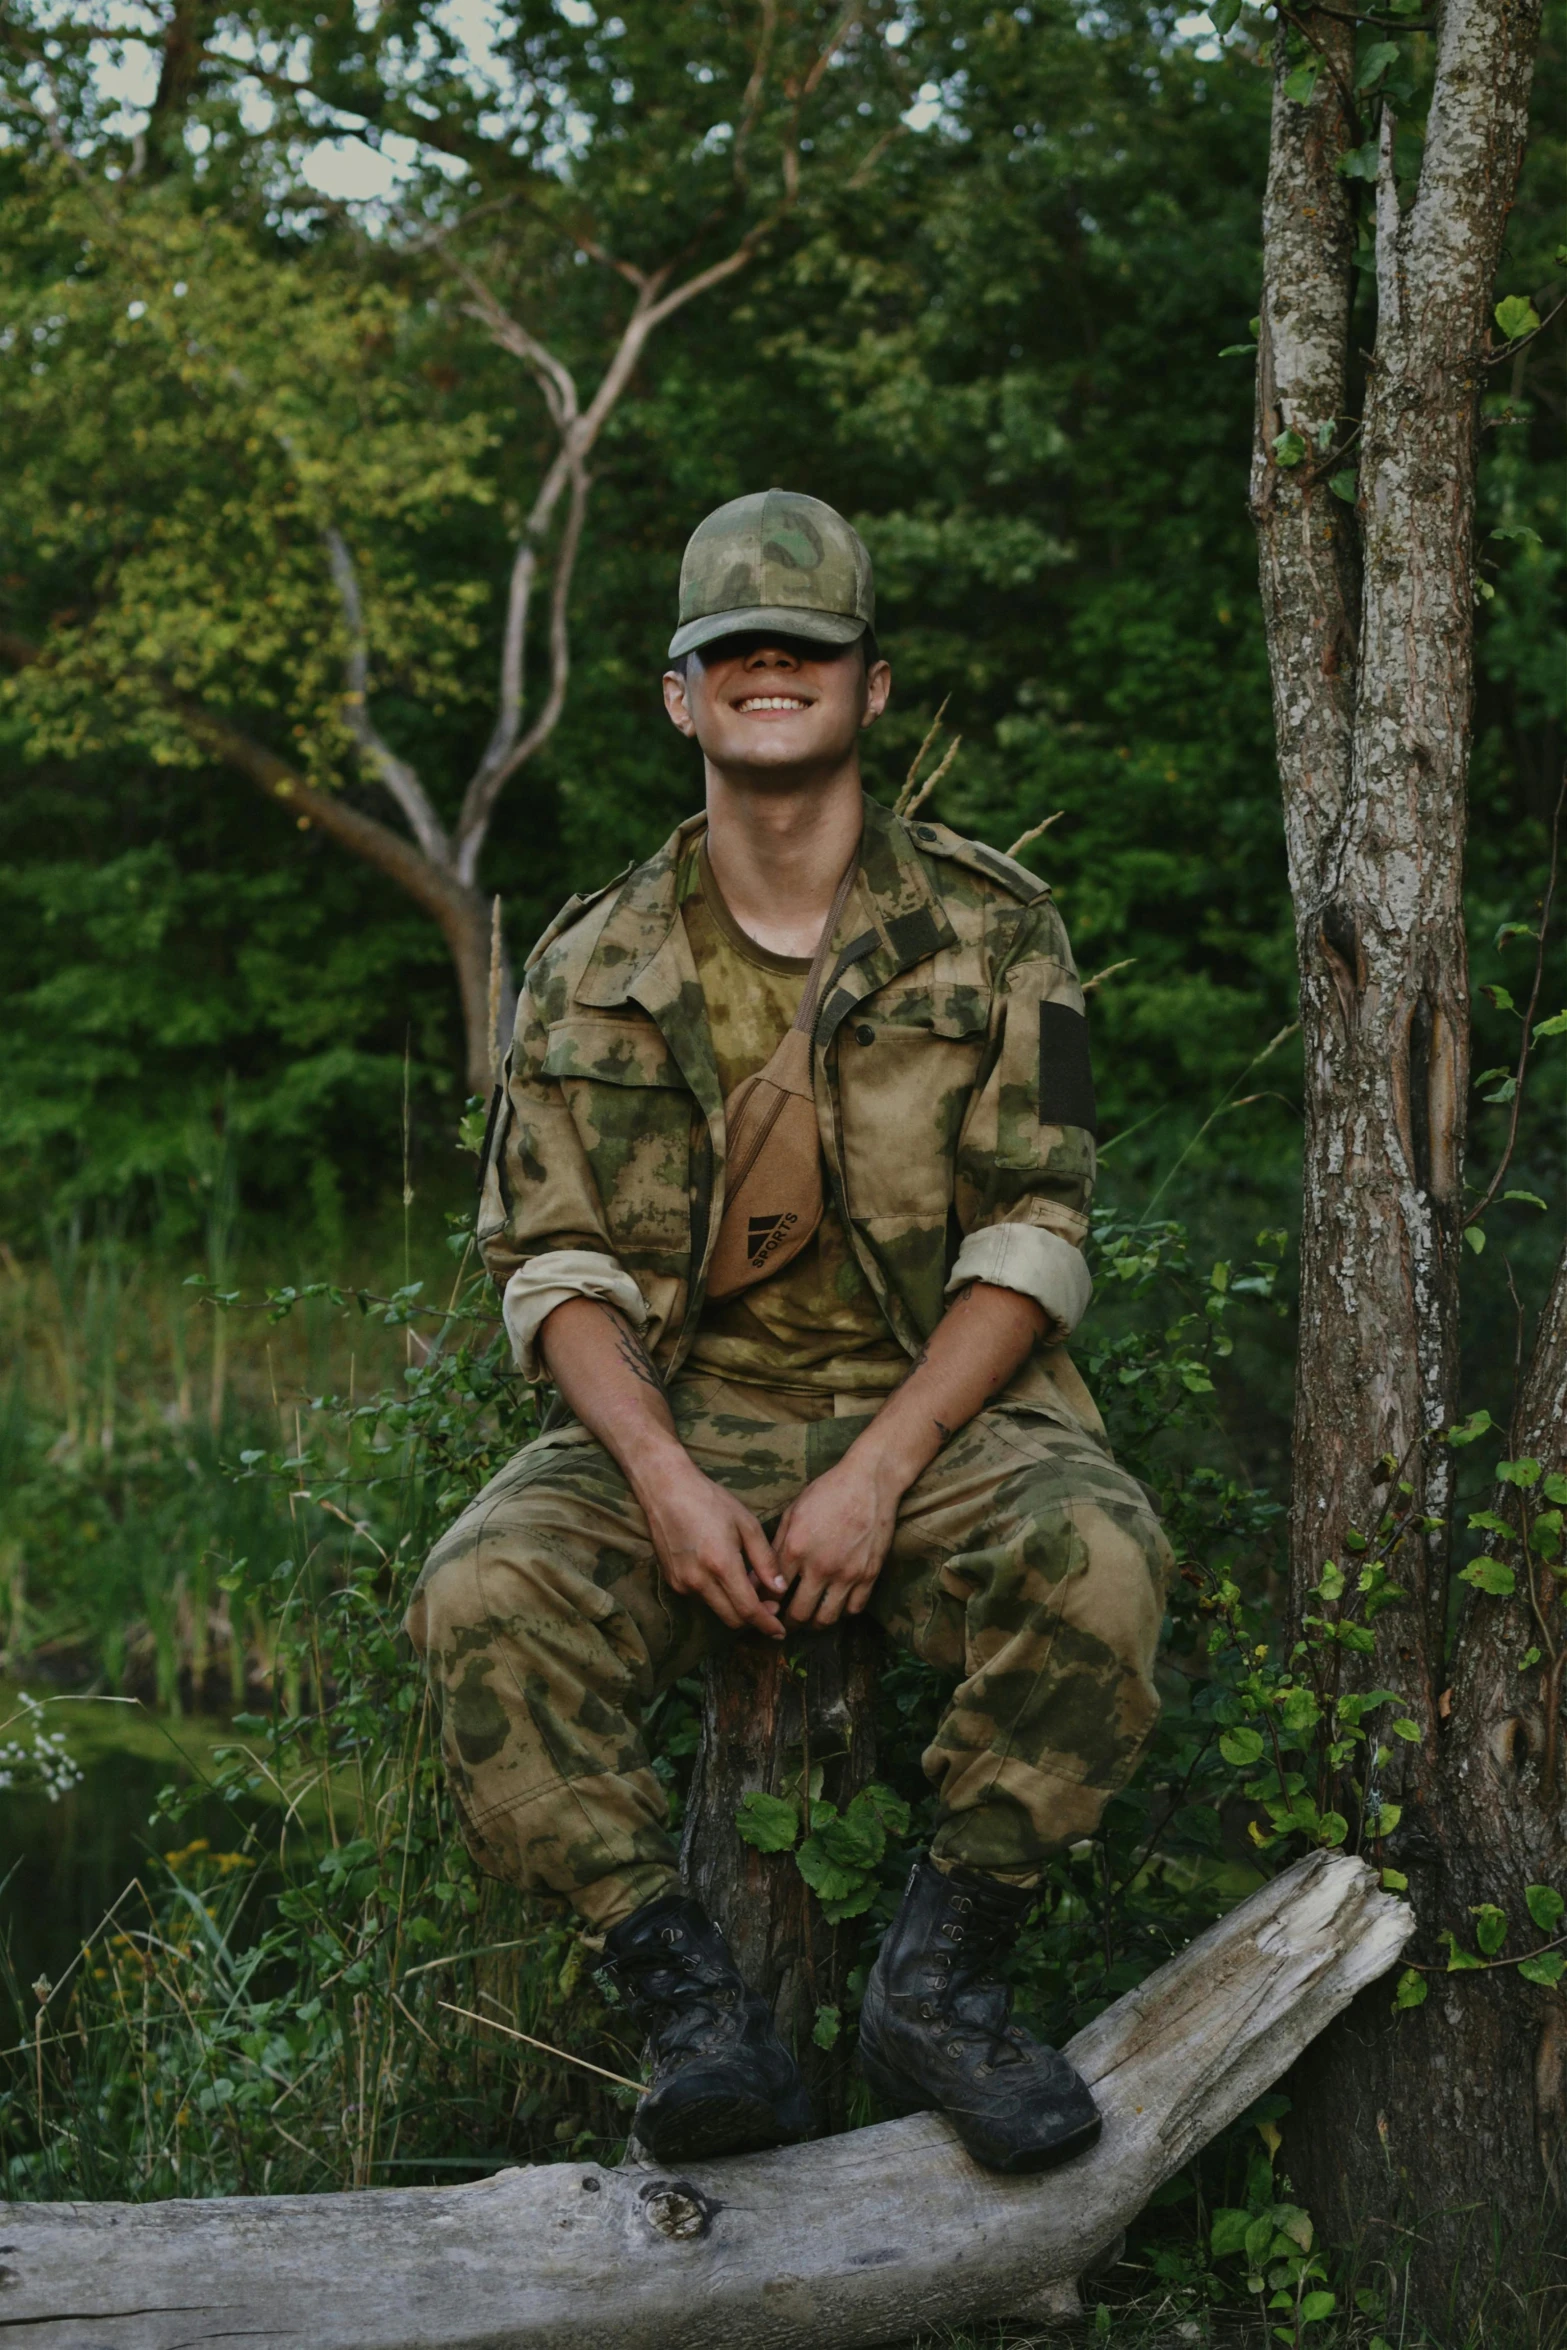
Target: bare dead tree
{"x":435,"y":862}
{"x":1369,"y":611}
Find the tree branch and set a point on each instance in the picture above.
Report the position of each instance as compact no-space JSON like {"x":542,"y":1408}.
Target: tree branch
{"x":399,"y":778}
{"x":376,"y":843}
{"x":500,"y":764}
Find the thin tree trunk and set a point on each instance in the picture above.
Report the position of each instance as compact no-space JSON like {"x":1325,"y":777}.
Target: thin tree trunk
{"x":772,"y":1719}
{"x":1373,"y":764}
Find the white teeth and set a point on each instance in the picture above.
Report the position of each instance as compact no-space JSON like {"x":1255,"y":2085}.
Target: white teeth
{"x":773,"y":702}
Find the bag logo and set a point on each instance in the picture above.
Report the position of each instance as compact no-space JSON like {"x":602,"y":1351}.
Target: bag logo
{"x":765,"y":1233}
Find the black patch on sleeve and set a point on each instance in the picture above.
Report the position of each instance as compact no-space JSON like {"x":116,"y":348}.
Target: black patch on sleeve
{"x":1066,"y":1077}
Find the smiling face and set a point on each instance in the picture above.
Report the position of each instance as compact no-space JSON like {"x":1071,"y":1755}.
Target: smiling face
{"x":773,"y":710}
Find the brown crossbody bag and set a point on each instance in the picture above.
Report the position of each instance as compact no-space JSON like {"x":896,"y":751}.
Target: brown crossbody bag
{"x":773,"y":1163}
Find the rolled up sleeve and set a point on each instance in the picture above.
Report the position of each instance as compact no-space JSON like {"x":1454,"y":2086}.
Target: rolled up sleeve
{"x":549,"y":1280}
{"x":1038,"y":1263}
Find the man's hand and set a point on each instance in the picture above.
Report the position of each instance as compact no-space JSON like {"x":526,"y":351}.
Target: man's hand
{"x":712,"y":1548}
{"x":833,"y":1537}
{"x":707,"y":1543}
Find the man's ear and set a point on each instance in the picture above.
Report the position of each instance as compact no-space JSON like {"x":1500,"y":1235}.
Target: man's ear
{"x":676,"y":703}
{"x":878,"y":688}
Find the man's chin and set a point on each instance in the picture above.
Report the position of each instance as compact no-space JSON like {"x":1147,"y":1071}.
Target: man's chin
{"x":774,"y":763}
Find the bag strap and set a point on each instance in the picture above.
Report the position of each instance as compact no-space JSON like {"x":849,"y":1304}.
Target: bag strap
{"x":806,"y":1016}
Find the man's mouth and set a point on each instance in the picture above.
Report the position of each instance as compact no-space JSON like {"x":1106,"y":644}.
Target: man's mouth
{"x":773,"y":702}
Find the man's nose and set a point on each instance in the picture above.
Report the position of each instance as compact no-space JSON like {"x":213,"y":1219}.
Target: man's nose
{"x":773,"y":657}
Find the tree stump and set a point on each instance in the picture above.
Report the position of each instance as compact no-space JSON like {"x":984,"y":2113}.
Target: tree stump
{"x":777,"y":1719}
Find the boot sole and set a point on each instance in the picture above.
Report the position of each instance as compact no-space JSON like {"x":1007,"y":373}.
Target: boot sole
{"x":1023,"y":2164}
{"x":1037,"y":2158}
{"x":710,"y":2126}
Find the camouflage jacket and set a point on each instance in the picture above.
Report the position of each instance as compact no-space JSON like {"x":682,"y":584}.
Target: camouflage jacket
{"x":952,"y":1087}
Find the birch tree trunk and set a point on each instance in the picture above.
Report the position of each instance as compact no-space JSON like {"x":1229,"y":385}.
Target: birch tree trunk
{"x":1371,"y":646}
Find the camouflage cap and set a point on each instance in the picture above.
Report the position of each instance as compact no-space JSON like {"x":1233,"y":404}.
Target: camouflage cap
{"x":775,"y":560}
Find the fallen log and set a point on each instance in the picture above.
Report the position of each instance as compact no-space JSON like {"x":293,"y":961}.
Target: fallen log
{"x":854,"y":2240}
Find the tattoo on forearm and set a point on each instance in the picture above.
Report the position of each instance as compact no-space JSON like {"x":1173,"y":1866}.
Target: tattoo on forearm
{"x":631,"y":1350}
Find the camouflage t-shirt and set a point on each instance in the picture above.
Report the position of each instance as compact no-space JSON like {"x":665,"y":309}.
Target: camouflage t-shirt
{"x":815,"y":1325}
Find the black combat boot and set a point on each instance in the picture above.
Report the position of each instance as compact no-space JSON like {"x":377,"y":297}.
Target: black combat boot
{"x":722,"y":2080}
{"x":936,"y":2027}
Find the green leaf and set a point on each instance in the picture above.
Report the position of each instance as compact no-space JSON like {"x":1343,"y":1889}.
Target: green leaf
{"x":1317,"y":2306}
{"x":1361,"y":163}
{"x":1242,"y":1747}
{"x":1288,"y":446}
{"x":1382,"y":1818}
{"x":1459,"y":1961}
{"x":1516,"y":315}
{"x":828,"y":2024}
{"x":1474,"y":1234}
{"x":1229,"y":2232}
{"x":1524,"y":1472}
{"x":769,"y":1823}
{"x":1259,"y":2240}
{"x":1555,"y":1026}
{"x":1300,"y":85}
{"x":1491,"y":1928}
{"x":1545,"y":1906}
{"x":1345,"y":485}
{"x":1406,"y":1729}
{"x":1525,"y":537}
{"x":1548,"y":1969}
{"x":1529,"y":1659}
{"x":888,"y":1808}
{"x":1410,"y":1990}
{"x":1294,"y":2223}
{"x":1394,"y":1881}
{"x":1223,"y":15}
{"x":1469,"y":1431}
{"x":843,"y":1892}
{"x":1332,"y":1828}
{"x":1555,"y":1488}
{"x":1488,"y":1574}
{"x":1299,"y":1710}
{"x":1375,"y":63}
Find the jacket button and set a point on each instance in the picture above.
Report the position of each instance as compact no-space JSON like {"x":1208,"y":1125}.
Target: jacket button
{"x":865,"y":1033}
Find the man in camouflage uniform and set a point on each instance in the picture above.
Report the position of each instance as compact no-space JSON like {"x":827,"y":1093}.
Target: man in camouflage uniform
{"x":890,"y":1421}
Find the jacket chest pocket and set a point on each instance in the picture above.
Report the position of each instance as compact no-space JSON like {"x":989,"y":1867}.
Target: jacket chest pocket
{"x":632,"y":1110}
{"x":905,"y":1077}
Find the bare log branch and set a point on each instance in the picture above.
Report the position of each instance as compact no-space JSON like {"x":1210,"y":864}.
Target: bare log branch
{"x":853,"y":2240}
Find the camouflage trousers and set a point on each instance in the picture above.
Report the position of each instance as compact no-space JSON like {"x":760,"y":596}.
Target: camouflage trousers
{"x":1025,"y":1564}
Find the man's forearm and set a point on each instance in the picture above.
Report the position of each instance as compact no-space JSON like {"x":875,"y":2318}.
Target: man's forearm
{"x":608,"y":1378}
{"x":970,"y":1355}
{"x":708,"y":1544}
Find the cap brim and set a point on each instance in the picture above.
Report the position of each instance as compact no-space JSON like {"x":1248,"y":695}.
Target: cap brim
{"x":817,"y":628}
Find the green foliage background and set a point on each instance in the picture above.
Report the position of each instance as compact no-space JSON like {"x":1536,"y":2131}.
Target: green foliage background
{"x":998,"y":351}
{"x":991,"y":332}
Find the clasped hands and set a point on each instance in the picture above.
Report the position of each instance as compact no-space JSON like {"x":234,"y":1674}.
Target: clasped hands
{"x":822,"y":1562}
